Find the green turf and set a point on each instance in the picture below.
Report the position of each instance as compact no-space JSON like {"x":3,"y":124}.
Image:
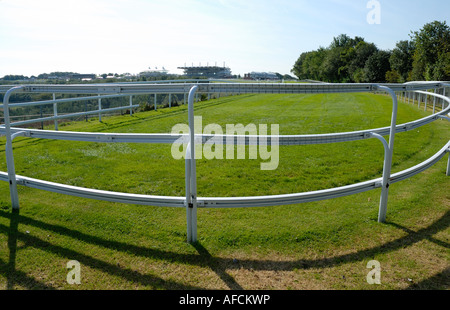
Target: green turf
{"x":323,"y":244}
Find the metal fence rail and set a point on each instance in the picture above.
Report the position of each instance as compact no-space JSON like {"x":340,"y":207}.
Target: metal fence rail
{"x":236,"y":139}
{"x":57,"y":117}
{"x":224,"y":202}
{"x":219,"y":87}
{"x":190,"y":201}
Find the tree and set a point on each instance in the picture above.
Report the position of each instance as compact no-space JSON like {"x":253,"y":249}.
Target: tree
{"x":393,"y":77}
{"x":14,"y":77}
{"x":342,"y":61}
{"x":425,"y":57}
{"x":363,"y":51}
{"x":313,"y":64}
{"x":431,"y":54}
{"x":442,"y":67}
{"x":344,"y":41}
{"x":358,"y":76}
{"x":330,"y":67}
{"x":346,"y":46}
{"x":401,"y":59}
{"x":308,"y":65}
{"x":377,"y":65}
{"x":297,"y":70}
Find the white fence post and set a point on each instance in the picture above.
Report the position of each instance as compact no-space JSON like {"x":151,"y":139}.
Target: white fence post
{"x":55,"y":111}
{"x":100,"y":109}
{"x":434,"y":101}
{"x":388,"y":158}
{"x":188,"y":193}
{"x":131,"y":105}
{"x":426,"y":100}
{"x":191,"y":176}
{"x":448,"y":163}
{"x":9,"y":150}
{"x":443,"y":102}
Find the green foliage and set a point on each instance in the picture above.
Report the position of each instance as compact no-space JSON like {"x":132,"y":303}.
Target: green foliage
{"x":425,"y":57}
{"x":393,"y":77}
{"x":432,"y":50}
{"x":342,"y":61}
{"x":14,"y":77}
{"x":308,"y":65}
{"x":362,"y":52}
{"x":332,"y":65}
{"x":402,"y":59}
{"x":377,"y":65}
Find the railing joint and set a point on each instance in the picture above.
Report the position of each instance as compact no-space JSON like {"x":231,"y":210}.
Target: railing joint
{"x":443,"y":117}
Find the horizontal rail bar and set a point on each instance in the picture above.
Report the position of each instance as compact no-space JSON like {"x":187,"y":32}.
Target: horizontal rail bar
{"x":221,"y":202}
{"x":405,"y":174}
{"x":96,"y":137}
{"x":260,"y":201}
{"x":62,"y":100}
{"x":166,"y":201}
{"x":43,"y":119}
{"x":4,"y":88}
{"x":241,"y":88}
{"x":227,"y":202}
{"x":222,"y":139}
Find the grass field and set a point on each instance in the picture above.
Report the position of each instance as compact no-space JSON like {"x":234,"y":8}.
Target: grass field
{"x":320,"y":245}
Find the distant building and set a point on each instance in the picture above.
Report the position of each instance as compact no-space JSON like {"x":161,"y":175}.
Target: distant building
{"x":261,"y":76}
{"x":154,"y":72}
{"x":210,"y":72}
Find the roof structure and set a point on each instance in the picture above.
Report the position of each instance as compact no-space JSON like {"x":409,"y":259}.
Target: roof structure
{"x":207,"y":71}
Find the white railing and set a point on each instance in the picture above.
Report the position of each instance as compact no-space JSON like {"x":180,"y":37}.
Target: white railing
{"x":100,"y":111}
{"x":57,"y":117}
{"x":190,"y":201}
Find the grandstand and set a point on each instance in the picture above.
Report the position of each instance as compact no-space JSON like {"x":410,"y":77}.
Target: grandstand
{"x":207,"y":72}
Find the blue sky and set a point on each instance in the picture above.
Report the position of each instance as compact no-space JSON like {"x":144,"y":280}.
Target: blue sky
{"x":118,"y":36}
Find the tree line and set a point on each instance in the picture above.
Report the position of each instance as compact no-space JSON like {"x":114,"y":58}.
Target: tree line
{"x":425,"y":57}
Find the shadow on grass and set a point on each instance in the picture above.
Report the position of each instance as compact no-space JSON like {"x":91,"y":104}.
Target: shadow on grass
{"x":217,"y":266}
{"x":202,"y":259}
{"x":14,"y":276}
{"x":438,"y":281}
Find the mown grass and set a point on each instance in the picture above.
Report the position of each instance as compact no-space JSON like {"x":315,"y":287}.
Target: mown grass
{"x":320,"y":245}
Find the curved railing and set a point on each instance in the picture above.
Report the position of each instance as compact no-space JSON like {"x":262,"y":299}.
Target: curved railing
{"x":190,"y":201}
